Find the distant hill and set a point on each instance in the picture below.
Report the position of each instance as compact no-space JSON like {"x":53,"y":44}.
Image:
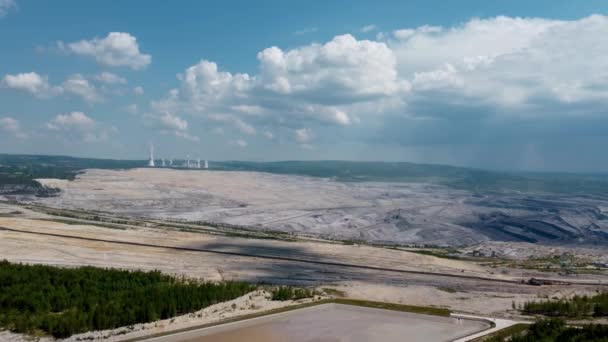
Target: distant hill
{"x":22,"y":169}
{"x":63,"y":164}
{"x":17,"y":172}
{"x":456,"y":177}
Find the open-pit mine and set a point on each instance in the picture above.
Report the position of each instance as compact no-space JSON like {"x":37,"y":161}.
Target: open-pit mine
{"x":404,"y":243}
{"x":389,"y":213}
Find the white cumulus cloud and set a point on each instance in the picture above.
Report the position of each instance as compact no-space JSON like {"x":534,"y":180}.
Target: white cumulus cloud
{"x":132,"y":108}
{"x":368,"y":28}
{"x":12,"y":126}
{"x":116,"y":49}
{"x":303,"y":135}
{"x":174,"y":122}
{"x":501,"y":69}
{"x":74,"y":120}
{"x":234,"y":121}
{"x":240,"y":143}
{"x":341,"y":71}
{"x":323,"y":83}
{"x":79,"y":126}
{"x":32,"y":83}
{"x":78,"y":85}
{"x":110,"y":78}
{"x":268,"y":135}
{"x":39,"y":86}
{"x":509,"y":65}
{"x":171,"y":124}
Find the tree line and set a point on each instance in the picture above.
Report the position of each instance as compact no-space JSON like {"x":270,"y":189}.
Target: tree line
{"x":283,"y":293}
{"x":555,"y":329}
{"x":575,"y":307}
{"x":63,"y":302}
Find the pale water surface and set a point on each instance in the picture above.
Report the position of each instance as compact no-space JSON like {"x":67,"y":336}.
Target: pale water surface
{"x":335,"y":322}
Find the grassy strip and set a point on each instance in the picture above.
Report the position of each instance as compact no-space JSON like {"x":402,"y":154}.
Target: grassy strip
{"x":356,"y":302}
{"x":554,"y":330}
{"x":107,"y":221}
{"x":437,"y":254}
{"x":447,"y":289}
{"x":334,"y":292}
{"x":82,"y":223}
{"x":504,"y":333}
{"x":425,"y":310}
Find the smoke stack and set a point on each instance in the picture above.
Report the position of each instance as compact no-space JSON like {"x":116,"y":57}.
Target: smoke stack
{"x":151,"y":161}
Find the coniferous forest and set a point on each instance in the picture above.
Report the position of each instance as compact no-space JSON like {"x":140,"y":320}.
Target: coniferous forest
{"x":576,"y":307}
{"x":289,"y":293}
{"x":555,"y":329}
{"x":62,"y":302}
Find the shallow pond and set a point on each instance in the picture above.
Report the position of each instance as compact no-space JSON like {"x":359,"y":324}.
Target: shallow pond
{"x":335,"y":322}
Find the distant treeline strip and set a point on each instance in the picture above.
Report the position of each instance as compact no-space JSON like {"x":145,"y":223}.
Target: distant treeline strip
{"x":62,"y":301}
{"x":575,"y":307}
{"x":555,"y":330}
{"x":20,"y":169}
{"x":271,"y":257}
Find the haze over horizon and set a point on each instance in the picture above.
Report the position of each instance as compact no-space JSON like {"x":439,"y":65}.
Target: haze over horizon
{"x":510,"y":86}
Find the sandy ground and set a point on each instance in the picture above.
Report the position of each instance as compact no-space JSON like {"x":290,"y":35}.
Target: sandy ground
{"x":472,"y":296}
{"x":467,"y":295}
{"x":371,"y":211}
{"x":380,"y":212}
{"x":358,"y":254}
{"x":524,"y":250}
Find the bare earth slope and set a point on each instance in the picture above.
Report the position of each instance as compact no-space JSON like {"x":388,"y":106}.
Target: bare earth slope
{"x":377,"y":212}
{"x":28,"y":237}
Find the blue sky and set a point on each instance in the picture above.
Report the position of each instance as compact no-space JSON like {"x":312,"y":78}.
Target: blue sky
{"x":492,"y":84}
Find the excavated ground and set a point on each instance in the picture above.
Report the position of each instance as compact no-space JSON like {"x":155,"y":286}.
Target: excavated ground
{"x":386,"y":274}
{"x":402,"y":213}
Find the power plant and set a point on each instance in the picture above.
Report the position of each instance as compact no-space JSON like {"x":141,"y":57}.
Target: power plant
{"x":151,"y":161}
{"x":187,"y":163}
